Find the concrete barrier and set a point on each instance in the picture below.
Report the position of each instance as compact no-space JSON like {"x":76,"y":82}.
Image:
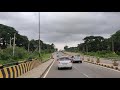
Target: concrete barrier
{"x":17,"y":70}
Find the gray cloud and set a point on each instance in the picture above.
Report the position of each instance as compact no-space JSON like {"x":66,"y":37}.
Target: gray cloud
{"x":63,"y":28}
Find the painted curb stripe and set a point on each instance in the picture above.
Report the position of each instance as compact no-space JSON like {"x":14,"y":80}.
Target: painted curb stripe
{"x":19,"y":66}
{"x":6,"y":73}
{"x":3,"y":73}
{"x":13,"y":72}
{"x":16,"y":71}
{"x":22,"y":68}
{"x":9,"y":74}
{"x":28,"y":65}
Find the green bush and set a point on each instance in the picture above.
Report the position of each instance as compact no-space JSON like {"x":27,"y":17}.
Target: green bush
{"x":6,"y":55}
{"x":103,"y":54}
{"x":118,"y":53}
{"x":20,"y":53}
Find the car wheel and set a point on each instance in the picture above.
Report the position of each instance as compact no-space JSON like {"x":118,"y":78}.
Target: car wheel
{"x":70,"y":68}
{"x":58,"y":68}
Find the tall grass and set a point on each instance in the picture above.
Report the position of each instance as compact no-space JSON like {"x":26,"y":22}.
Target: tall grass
{"x":6,"y":55}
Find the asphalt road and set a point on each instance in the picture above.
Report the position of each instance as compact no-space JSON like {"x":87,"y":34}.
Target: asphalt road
{"x":82,"y":70}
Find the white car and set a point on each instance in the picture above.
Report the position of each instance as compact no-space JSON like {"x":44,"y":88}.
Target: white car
{"x":76,"y":58}
{"x":64,"y":62}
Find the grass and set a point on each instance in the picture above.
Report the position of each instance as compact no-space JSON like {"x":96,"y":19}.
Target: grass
{"x":45,"y":57}
{"x":11,"y":61}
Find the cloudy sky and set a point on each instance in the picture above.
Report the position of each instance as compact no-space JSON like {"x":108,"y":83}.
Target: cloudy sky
{"x":63,"y":28}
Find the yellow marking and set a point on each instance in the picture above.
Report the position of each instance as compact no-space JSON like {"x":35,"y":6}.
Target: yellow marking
{"x":18,"y":70}
{"x":21,"y":69}
{"x":29,"y":66}
{"x":1,"y":75}
{"x":6,"y":72}
{"x":11,"y":73}
{"x":15,"y":73}
{"x":25,"y":67}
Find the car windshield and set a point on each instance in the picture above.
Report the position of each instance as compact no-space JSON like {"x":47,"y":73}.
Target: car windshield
{"x":64,"y":59}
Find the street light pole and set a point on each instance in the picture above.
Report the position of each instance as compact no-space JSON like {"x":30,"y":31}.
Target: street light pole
{"x":39,"y":34}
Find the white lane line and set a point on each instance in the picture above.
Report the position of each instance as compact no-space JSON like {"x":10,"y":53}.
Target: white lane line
{"x":82,"y":73}
{"x":105,"y":67}
{"x":48,"y":69}
{"x":85,"y":75}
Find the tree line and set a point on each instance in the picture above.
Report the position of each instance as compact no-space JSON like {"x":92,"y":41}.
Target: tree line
{"x":98,"y":43}
{"x":7,"y":36}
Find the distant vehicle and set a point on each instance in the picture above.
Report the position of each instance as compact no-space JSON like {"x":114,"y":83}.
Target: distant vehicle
{"x":64,"y":62}
{"x":76,"y":58}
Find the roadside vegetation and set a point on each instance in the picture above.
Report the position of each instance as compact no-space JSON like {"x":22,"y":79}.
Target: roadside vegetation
{"x":99,"y":46}
{"x":25,"y":49}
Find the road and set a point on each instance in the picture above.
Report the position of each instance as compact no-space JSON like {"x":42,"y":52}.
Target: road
{"x":82,"y":70}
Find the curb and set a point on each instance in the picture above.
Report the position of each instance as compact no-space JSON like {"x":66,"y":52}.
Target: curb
{"x":104,"y":65}
{"x":46,"y":69}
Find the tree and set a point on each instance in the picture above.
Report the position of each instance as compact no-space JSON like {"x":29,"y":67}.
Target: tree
{"x":5,"y":33}
{"x":116,"y":41}
{"x":66,"y":48}
{"x":22,"y":41}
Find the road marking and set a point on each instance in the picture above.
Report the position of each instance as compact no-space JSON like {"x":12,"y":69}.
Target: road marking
{"x":82,"y":73}
{"x":48,"y":69}
{"x":105,"y":67}
{"x":85,"y":75}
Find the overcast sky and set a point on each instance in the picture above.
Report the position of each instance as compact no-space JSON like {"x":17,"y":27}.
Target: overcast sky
{"x":63,"y":28}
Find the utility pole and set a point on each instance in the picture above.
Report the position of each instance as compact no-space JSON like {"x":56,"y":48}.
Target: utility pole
{"x":10,"y":42}
{"x":39,"y":34}
{"x":14,"y":45}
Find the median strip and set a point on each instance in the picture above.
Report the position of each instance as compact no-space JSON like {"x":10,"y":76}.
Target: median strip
{"x":104,"y":65}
